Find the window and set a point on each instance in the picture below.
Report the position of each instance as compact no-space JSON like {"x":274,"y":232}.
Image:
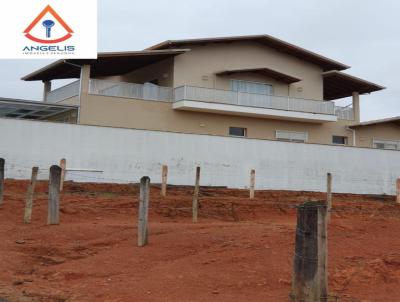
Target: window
{"x":339,"y":140}
{"x":291,"y":136}
{"x":237,"y":131}
{"x":251,"y":87}
{"x":386,"y":144}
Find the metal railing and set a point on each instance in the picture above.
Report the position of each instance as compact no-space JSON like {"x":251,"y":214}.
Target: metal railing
{"x":344,"y":113}
{"x":167,"y":94}
{"x":211,"y":95}
{"x":63,"y":93}
{"x":145,"y":91}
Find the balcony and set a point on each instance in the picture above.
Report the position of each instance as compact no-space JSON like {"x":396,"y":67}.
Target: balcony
{"x":249,"y":104}
{"x":191,"y":98}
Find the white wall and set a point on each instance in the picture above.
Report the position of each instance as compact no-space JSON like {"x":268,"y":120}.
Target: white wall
{"x":124,"y":155}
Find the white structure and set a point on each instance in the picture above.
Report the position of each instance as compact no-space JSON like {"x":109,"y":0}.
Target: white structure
{"x":103,"y":154}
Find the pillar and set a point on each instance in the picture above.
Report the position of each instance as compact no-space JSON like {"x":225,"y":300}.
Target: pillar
{"x":46,"y":89}
{"x":83,"y":88}
{"x":356,"y":106}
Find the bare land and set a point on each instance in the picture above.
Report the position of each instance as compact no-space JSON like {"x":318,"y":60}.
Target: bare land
{"x":240,"y":250}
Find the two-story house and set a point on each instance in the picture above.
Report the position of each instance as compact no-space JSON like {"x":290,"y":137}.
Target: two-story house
{"x":249,"y":86}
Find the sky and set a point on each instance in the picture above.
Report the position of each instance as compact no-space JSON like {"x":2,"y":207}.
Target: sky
{"x":364,"y":34}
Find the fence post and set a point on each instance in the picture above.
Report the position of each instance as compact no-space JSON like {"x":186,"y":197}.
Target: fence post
{"x":63,"y":165}
{"x":53,"y":214}
{"x":29,"y":195}
{"x":143,"y":211}
{"x":398,"y":190}
{"x":252,"y":182}
{"x":2,"y":164}
{"x":323,"y":252}
{"x":310,"y":279}
{"x":164,"y":175}
{"x":195,"y":202}
{"x":329,"y":194}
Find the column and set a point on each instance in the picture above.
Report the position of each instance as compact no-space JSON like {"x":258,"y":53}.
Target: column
{"x":356,"y":106}
{"x":46,"y":89}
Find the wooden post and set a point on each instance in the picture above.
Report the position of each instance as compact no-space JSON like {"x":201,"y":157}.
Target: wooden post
{"x":398,"y":190}
{"x":323,"y":253}
{"x":143,"y":211}
{"x":53,"y":214}
{"x":2,"y":164}
{"x":63,"y":165}
{"x":329,"y":194}
{"x":29,"y":196}
{"x":252,"y":182}
{"x":195,"y":203}
{"x":164,"y":175}
{"x":310,"y":279}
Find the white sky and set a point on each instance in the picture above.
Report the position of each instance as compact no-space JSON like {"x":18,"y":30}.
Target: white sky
{"x":364,"y":34}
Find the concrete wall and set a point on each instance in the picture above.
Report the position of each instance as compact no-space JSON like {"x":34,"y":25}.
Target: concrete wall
{"x":124,"y":155}
{"x":153,"y":115}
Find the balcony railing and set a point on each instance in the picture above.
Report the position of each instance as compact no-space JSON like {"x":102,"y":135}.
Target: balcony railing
{"x":210,"y":95}
{"x":130,"y":90}
{"x":63,"y":93}
{"x":344,"y":113}
{"x":167,"y":94}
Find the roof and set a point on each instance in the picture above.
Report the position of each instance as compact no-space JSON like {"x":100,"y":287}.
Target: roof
{"x":23,"y":109}
{"x":282,"y":46}
{"x":106,"y":64}
{"x":264,"y":71}
{"x":340,"y":85}
{"x":395,"y":120}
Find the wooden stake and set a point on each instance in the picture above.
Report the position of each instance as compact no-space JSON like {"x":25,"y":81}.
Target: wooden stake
{"x":323,"y":253}
{"x":29,"y":196}
{"x":310,"y":279}
{"x":2,"y":164}
{"x":195,"y":202}
{"x":143,"y":211}
{"x":164,"y":175}
{"x":63,"y":165}
{"x":329,"y":194}
{"x":252,"y":182}
{"x":53,"y":214}
{"x":398,"y":190}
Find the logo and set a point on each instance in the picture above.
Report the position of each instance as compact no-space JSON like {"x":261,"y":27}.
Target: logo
{"x":49,"y":29}
{"x":53,"y":22}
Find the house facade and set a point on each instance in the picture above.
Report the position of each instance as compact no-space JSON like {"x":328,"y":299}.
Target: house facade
{"x":251,"y":86}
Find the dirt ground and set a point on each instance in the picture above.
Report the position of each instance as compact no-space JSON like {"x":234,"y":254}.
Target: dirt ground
{"x":240,"y":250}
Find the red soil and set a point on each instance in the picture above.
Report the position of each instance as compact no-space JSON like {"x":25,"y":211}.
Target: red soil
{"x":93,"y":255}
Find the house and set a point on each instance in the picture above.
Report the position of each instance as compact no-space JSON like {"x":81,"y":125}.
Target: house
{"x":248,"y":86}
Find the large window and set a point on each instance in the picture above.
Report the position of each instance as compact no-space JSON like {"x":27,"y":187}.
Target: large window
{"x":339,"y":140}
{"x":237,"y":131}
{"x":291,"y":136}
{"x":386,"y":144}
{"x":251,"y":87}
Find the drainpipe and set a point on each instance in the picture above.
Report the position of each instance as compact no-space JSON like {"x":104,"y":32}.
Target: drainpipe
{"x":354,"y":134}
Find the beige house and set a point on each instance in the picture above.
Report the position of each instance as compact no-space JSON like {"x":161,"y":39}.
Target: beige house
{"x":250,"y":86}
